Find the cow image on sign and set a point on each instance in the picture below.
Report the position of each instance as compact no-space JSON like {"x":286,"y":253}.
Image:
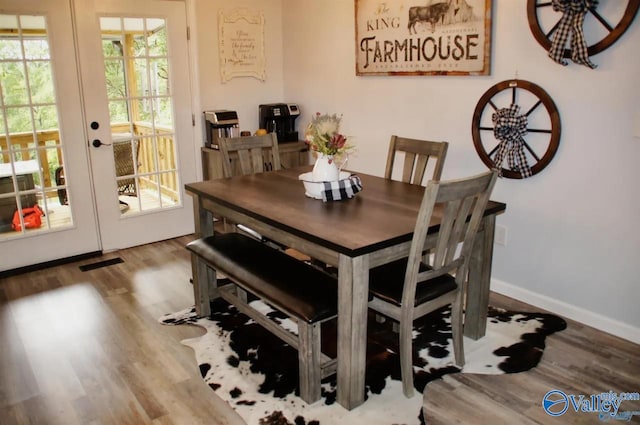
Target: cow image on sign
{"x":431,"y":14}
{"x":450,"y":12}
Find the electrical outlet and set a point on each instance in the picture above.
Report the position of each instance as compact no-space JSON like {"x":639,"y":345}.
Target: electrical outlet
{"x":501,"y":235}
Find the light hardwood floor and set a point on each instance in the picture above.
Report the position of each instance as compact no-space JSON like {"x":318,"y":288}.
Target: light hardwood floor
{"x":86,"y":348}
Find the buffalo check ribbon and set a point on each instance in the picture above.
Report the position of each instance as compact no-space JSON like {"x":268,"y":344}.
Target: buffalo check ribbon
{"x":341,"y":189}
{"x":509,"y":127}
{"x":571,"y":23}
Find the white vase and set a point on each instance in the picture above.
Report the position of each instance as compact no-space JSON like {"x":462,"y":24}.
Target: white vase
{"x":325,"y":169}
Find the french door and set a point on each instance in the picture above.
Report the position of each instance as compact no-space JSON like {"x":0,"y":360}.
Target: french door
{"x":135,"y":78}
{"x":95,"y":127}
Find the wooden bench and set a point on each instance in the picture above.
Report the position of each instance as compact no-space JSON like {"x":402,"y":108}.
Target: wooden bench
{"x":307,"y":295}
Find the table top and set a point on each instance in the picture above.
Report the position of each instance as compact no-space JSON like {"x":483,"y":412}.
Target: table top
{"x":382,"y":215}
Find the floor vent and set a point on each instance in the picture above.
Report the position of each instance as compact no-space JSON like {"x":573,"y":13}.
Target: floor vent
{"x":100,"y":264}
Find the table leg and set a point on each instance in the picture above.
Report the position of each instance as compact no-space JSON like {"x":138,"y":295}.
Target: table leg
{"x":475,"y":321}
{"x":353,"y":288}
{"x":203,"y":278}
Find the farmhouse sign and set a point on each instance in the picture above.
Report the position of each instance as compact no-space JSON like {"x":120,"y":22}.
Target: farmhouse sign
{"x":423,"y":37}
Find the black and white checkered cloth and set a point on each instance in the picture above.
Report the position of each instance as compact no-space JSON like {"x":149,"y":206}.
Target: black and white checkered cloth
{"x":509,"y":128}
{"x":341,"y":189}
{"x":571,"y":23}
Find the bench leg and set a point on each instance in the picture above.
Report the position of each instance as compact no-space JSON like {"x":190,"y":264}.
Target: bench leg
{"x":204,"y":283}
{"x":241,"y":294}
{"x":309,"y":361}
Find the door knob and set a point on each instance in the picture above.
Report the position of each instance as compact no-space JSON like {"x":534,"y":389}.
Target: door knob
{"x":95,"y":125}
{"x":97,"y":143}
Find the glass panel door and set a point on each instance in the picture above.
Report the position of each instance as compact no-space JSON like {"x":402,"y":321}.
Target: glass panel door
{"x":33,"y":196}
{"x":46,"y":206}
{"x":135,"y":77}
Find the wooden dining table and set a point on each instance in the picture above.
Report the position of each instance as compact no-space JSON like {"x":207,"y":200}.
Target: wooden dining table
{"x":353,"y":235}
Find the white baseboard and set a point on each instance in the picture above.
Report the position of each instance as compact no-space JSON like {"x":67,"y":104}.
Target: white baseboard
{"x":595,"y":320}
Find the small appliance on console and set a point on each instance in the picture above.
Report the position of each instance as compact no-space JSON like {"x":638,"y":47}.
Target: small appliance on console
{"x":280,"y":118}
{"x":220,"y":123}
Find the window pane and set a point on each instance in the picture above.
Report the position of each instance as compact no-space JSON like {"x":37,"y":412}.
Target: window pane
{"x":166,"y":158}
{"x":41,"y":82}
{"x":45,"y":117}
{"x":163,"y":113}
{"x":141,"y":83}
{"x":115,"y":75}
{"x":112,"y":47}
{"x":33,"y":22}
{"x":10,"y":48}
{"x":108,"y":24}
{"x":159,"y":76}
{"x":19,"y":120}
{"x":144,"y":109}
{"x":50,"y":162}
{"x":36,"y":49}
{"x":169,"y":180}
{"x":118,"y":111}
{"x":139,"y":46}
{"x":14,"y":84}
{"x":147,"y":155}
{"x":158,"y":38}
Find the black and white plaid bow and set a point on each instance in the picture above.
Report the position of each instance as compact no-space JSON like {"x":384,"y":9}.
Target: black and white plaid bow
{"x":571,"y":23}
{"x":509,"y":127}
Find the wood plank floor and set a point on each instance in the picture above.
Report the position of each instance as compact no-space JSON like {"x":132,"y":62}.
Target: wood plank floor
{"x":85,"y":348}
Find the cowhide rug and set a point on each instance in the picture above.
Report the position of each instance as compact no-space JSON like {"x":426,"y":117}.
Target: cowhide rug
{"x":257,"y":374}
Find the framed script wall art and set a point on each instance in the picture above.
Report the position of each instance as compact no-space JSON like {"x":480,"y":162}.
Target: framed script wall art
{"x":241,"y":44}
{"x":423,"y":37}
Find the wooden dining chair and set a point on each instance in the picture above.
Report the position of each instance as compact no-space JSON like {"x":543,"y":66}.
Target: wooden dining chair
{"x":417,"y":154}
{"x":407,"y":289}
{"x":256,"y":154}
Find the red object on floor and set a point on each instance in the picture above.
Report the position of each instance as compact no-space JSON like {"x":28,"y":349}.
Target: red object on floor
{"x":30,"y":217}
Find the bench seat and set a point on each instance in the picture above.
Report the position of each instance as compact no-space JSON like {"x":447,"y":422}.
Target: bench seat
{"x":306,"y":294}
{"x":290,"y":285}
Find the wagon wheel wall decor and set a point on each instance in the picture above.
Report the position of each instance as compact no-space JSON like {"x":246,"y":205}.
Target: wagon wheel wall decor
{"x":599,"y":28}
{"x":516,"y":128}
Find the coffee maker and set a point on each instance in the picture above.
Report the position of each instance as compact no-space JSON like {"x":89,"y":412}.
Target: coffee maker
{"x":280,"y":118}
{"x":220,"y":123}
